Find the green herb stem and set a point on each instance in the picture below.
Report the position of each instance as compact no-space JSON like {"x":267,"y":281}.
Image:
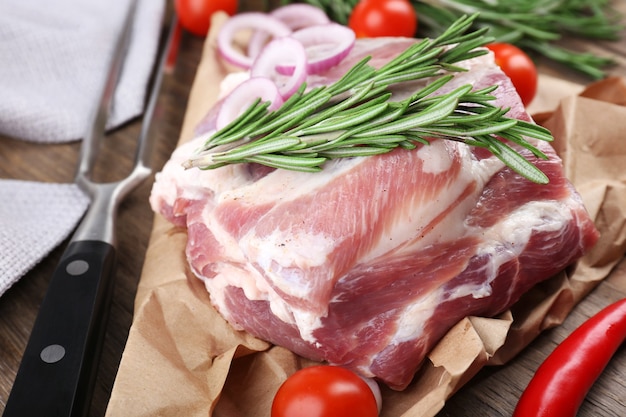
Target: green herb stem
{"x":356,"y":116}
{"x":534,"y":25}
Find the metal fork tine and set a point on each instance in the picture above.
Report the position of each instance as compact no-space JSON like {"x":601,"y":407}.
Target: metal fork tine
{"x":141,"y":168}
{"x":93,"y":137}
{"x":98,"y":223}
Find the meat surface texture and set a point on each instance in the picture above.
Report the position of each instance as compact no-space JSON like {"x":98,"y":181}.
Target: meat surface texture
{"x":368,"y":263}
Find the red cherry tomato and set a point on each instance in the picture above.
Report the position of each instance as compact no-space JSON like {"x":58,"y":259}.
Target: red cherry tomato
{"x":324,"y":391}
{"x":195,"y":15}
{"x":518,"y":67}
{"x":374,"y":18}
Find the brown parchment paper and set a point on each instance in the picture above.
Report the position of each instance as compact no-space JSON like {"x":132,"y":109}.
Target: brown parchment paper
{"x":182,"y":359}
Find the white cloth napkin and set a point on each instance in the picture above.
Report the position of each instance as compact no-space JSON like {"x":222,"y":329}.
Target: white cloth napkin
{"x":35,"y":217}
{"x":54,"y":57}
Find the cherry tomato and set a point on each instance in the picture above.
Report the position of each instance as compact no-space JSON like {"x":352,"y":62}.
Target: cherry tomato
{"x":518,"y":67}
{"x":195,"y":15}
{"x":324,"y":391}
{"x":374,"y":18}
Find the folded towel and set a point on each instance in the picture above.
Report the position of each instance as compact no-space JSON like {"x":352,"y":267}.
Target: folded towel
{"x":55,"y":56}
{"x":35,"y":217}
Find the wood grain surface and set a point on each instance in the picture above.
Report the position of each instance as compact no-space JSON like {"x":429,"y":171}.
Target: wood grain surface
{"x":493,"y":392}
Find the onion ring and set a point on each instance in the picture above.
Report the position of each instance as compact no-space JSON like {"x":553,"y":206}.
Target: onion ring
{"x":277,"y":52}
{"x":300,"y":15}
{"x":250,"y":20}
{"x":244,"y":95}
{"x":295,"y":16}
{"x":326,"y":46}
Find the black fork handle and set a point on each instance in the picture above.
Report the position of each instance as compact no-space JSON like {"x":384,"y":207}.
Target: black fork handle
{"x":57,"y":373}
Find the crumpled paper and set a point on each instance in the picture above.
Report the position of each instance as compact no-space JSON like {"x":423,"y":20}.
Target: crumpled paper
{"x":183,"y":359}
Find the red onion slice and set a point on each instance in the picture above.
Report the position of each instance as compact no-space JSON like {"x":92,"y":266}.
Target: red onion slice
{"x":375,"y":390}
{"x":325,"y":45}
{"x":300,"y":15}
{"x":251,"y":20}
{"x":285,"y":51}
{"x":244,"y":95}
{"x":295,"y":16}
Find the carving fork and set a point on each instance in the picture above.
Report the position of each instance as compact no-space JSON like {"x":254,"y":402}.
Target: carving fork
{"x":57,"y":373}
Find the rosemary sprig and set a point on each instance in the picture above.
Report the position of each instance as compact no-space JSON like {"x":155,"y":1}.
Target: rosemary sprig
{"x":355,"y":116}
{"x":534,"y":25}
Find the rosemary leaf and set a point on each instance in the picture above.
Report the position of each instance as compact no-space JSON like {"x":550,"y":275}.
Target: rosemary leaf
{"x":355,"y":151}
{"x":294,"y":116}
{"x":357,"y":117}
{"x":348,"y":106}
{"x":293,"y":163}
{"x":515,"y":161}
{"x":492,"y":128}
{"x":258,"y":148}
{"x":441,"y":108}
{"x":242,"y":125}
{"x":346,"y":121}
{"x":380,"y":141}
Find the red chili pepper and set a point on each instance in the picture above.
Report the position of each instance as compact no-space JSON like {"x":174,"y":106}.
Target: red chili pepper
{"x":561,"y":383}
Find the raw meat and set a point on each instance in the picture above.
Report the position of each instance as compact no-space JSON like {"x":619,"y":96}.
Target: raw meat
{"x":368,"y":263}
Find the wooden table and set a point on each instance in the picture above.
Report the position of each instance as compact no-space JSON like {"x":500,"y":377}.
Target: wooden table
{"x":493,"y":392}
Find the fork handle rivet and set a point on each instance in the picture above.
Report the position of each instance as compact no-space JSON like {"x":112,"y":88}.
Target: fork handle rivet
{"x":77,"y":267}
{"x":52,"y":353}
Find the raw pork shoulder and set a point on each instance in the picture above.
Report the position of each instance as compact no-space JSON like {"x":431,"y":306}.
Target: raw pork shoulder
{"x":368,"y":263}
